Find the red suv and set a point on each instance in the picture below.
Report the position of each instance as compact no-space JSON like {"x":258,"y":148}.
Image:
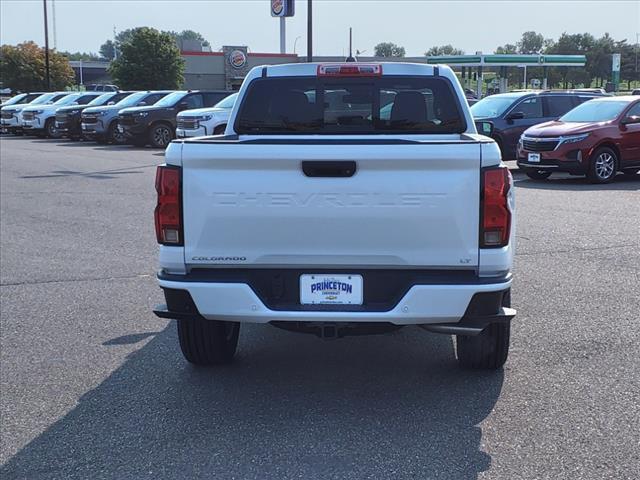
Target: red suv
{"x":596,"y":139}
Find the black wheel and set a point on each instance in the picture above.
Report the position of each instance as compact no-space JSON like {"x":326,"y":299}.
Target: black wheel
{"x":208,"y":342}
{"x":50,"y":129}
{"x":114,"y":135}
{"x":537,"y":174}
{"x":489,"y":349}
{"x":632,"y":172}
{"x":603,"y":165}
{"x":160,"y":135}
{"x":219,"y":130}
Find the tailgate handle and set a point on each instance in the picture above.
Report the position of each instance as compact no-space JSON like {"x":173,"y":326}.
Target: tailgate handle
{"x":329,"y":169}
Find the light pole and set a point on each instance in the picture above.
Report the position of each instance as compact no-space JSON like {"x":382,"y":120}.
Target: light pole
{"x":46,"y":47}
{"x":309,"y":32}
{"x":637,"y":38}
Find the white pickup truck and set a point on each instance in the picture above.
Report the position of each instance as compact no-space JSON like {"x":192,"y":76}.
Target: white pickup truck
{"x":343,"y":199}
{"x":205,"y":121}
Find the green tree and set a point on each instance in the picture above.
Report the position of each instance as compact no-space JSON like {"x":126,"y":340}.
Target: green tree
{"x":515,"y":76}
{"x":22,"y":68}
{"x":507,"y":49}
{"x":388,"y":49}
{"x":108,"y":50}
{"x":531,"y":42}
{"x":84,"y":56}
{"x":149,"y":59}
{"x":443,"y":50}
{"x":574,"y":44}
{"x":189,"y":35}
{"x":628,"y":72}
{"x":125,"y":35}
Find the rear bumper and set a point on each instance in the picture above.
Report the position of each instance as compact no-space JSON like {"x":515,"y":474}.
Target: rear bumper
{"x":448,"y":305}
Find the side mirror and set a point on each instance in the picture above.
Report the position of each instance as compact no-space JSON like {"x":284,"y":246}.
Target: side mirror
{"x":630,"y":120}
{"x":515,"y":116}
{"x":141,"y":104}
{"x":183,"y":106}
{"x":111,"y":103}
{"x":484,"y":128}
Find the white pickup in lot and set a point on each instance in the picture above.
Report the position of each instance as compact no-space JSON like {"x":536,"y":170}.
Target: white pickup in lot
{"x":205,"y":121}
{"x":344,"y":199}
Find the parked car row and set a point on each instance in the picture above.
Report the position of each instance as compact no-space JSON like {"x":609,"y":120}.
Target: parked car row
{"x":581,"y":132}
{"x":138,"y":118}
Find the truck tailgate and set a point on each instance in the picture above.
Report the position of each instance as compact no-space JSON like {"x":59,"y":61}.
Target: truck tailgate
{"x":414,"y":204}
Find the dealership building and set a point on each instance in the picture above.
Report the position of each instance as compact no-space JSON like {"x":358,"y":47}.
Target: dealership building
{"x":226,"y":69}
{"x":222,"y":70}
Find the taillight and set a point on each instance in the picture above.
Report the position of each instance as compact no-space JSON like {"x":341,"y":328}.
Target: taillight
{"x":495,"y":214}
{"x":350,"y":70}
{"x":168,"y":213}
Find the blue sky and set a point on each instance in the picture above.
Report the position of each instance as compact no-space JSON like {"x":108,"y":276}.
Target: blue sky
{"x":417,"y":25}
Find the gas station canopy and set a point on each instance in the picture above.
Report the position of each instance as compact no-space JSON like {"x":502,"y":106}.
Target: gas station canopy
{"x":495,"y":60}
{"x":502,"y":61}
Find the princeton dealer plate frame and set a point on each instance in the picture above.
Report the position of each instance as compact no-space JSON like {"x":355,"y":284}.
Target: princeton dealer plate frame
{"x":331,"y":289}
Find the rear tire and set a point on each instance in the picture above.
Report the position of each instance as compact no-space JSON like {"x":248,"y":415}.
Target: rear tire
{"x":537,"y":174}
{"x":488,"y":350}
{"x":208,"y":342}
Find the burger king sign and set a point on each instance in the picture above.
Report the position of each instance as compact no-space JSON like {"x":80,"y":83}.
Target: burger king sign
{"x":281,"y":8}
{"x":277,"y":8}
{"x":237,"y":59}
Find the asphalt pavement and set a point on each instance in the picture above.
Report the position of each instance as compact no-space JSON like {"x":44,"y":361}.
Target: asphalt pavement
{"x":93,"y":386}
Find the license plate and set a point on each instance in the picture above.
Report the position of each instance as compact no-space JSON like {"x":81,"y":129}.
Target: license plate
{"x":330,"y":289}
{"x":534,"y":158}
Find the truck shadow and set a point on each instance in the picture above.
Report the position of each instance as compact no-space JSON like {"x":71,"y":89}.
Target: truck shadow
{"x":292,"y":406}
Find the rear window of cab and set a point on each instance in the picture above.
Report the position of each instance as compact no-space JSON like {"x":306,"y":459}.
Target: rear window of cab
{"x":350,"y":105}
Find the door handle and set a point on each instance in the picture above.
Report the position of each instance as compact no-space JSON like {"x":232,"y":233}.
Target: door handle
{"x":337,"y":169}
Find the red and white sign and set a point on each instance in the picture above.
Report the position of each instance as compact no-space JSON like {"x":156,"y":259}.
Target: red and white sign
{"x":237,"y":59}
{"x":282,"y":8}
{"x":277,"y":8}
